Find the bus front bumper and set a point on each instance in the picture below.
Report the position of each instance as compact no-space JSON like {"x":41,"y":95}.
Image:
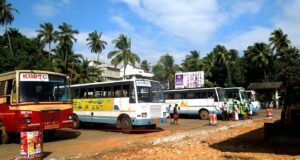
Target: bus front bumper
{"x":143,"y":122}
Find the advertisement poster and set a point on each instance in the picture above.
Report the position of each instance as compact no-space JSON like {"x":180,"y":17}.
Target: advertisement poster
{"x":95,"y":104}
{"x":31,"y":144}
{"x":189,"y":79}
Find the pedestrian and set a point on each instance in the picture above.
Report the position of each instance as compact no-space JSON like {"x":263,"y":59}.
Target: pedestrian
{"x":236,"y":109}
{"x":224,"y":112}
{"x":241,"y":112}
{"x":168,"y":111}
{"x":175,"y":114}
{"x":250,"y":110}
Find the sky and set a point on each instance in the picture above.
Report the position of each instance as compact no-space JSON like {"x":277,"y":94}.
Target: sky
{"x":158,"y":27}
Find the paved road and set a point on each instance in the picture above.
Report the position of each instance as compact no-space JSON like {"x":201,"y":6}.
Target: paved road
{"x":95,"y":138}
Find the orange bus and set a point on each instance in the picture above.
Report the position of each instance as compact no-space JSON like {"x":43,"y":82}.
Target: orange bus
{"x":34,"y":100}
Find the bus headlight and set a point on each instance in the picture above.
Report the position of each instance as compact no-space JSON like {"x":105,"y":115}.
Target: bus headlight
{"x":144,"y":114}
{"x":70,"y":116}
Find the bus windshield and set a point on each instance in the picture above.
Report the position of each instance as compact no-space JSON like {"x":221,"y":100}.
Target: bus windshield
{"x":221,"y":93}
{"x":52,"y":88}
{"x":149,"y":92}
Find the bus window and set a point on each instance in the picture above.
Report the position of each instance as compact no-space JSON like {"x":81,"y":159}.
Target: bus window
{"x":132,"y":98}
{"x":2,"y":88}
{"x":107,"y":92}
{"x":82,"y":91}
{"x":125,"y":91}
{"x":190,"y":96}
{"x":202,"y":94}
{"x":98,"y":92}
{"x":169,"y":96}
{"x":76,"y":93}
{"x":117,"y":91}
{"x":178,"y":96}
{"x":90,"y":93}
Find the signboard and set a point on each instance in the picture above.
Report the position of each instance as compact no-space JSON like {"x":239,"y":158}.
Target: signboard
{"x":189,"y":79}
{"x":34,"y":77}
{"x":143,"y":84}
{"x":95,"y":104}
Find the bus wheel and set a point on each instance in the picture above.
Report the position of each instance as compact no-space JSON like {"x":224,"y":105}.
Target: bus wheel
{"x":3,"y":135}
{"x":204,"y":114}
{"x":76,"y":122}
{"x":126,"y":125}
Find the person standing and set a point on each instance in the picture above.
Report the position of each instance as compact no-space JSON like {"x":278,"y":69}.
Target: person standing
{"x":236,"y":110}
{"x":250,"y":111}
{"x":224,"y":112}
{"x":175,"y":114}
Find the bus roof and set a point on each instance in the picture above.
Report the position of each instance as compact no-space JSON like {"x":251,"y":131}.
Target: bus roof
{"x":110,"y":82}
{"x":241,"y":88}
{"x":12,"y":74}
{"x":189,"y":89}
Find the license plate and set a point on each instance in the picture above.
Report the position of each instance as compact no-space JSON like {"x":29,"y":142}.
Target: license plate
{"x":155,"y":120}
{"x":51,"y":126}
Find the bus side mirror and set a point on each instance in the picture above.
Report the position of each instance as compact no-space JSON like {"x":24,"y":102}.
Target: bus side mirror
{"x":7,"y":97}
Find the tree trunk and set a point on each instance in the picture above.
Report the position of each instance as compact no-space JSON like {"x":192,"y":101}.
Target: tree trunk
{"x":9,"y":42}
{"x":98,"y":57}
{"x":66,"y":57}
{"x":49,"y":50}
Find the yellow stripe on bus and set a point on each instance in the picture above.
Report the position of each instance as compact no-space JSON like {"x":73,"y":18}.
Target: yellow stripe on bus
{"x":42,"y":107}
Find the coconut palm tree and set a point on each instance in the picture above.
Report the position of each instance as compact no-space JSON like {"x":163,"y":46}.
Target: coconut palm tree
{"x":123,"y":53}
{"x":86,"y":73}
{"x":279,"y":42}
{"x":6,"y":17}
{"x":96,"y":44}
{"x":260,"y":55}
{"x":168,"y":69}
{"x":66,"y":39}
{"x":222,"y":58}
{"x":46,"y":35}
{"x":145,"y":66}
{"x":192,"y":62}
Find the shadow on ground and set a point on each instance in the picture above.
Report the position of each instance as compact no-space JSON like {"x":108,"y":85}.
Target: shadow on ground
{"x":254,"y":142}
{"x":62,"y":135}
{"x":112,"y":128}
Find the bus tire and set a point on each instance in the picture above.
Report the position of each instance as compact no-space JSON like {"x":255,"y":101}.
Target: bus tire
{"x":204,"y":114}
{"x":76,"y":122}
{"x":126,"y":124}
{"x":3,"y":134}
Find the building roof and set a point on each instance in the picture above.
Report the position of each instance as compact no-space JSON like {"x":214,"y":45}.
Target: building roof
{"x":265,"y":85}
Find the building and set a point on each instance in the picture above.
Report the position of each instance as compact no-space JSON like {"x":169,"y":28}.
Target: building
{"x":133,"y":72}
{"x":109,"y":72}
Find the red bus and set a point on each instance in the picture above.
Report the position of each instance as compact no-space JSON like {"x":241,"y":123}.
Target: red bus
{"x":34,"y":100}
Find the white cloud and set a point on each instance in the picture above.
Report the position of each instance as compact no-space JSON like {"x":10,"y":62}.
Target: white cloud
{"x":242,"y":7}
{"x":193,"y":21}
{"x":44,"y":10}
{"x":122,"y":23}
{"x":49,"y":9}
{"x":289,"y":21}
{"x":241,"y":41}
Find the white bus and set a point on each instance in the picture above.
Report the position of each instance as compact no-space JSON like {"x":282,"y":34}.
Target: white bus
{"x":196,"y":101}
{"x":251,"y":96}
{"x":124,"y":103}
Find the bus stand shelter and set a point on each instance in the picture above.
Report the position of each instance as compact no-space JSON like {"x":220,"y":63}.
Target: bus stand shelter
{"x":266,"y":87}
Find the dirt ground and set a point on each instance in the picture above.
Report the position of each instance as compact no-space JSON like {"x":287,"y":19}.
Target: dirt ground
{"x":239,"y":143}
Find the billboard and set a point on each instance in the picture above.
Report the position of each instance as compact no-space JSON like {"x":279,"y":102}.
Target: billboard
{"x":189,"y":79}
